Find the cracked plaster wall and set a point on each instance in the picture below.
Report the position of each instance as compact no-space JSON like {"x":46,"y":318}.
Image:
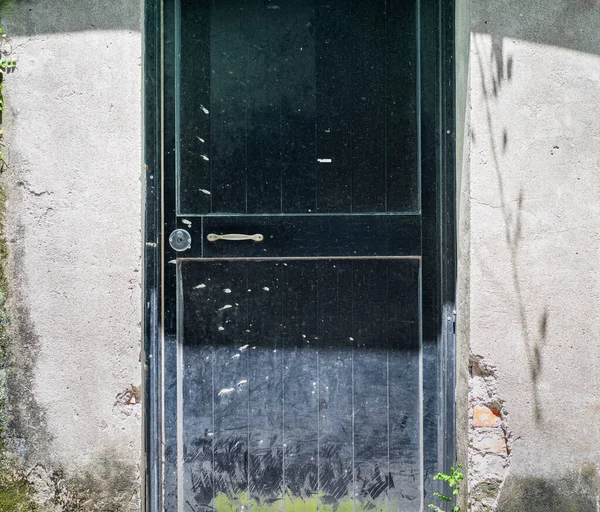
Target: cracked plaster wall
{"x":529,"y":242}
{"x":529,"y":203}
{"x":73,"y":128}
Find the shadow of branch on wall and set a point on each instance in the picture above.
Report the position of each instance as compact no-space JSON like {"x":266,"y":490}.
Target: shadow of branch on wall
{"x":533,"y":326}
{"x":544,"y":22}
{"x":36,"y":17}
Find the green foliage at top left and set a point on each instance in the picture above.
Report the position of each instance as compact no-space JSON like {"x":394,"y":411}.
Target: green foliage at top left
{"x":7,"y":64}
{"x":6,"y":6}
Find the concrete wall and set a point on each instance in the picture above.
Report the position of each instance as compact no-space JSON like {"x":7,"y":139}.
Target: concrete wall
{"x":530,"y":262}
{"x":528,"y":131}
{"x":73,"y":219}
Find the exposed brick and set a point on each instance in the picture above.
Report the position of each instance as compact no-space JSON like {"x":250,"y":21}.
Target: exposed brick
{"x":489,"y":438}
{"x":485,"y":417}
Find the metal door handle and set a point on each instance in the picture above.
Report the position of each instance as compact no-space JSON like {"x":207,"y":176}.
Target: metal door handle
{"x":213,"y":237}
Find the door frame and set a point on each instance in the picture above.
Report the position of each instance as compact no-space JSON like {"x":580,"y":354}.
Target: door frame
{"x":438,"y":42}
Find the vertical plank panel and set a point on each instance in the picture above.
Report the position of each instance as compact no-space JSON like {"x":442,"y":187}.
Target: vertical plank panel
{"x":404,"y":399}
{"x":368,"y":114}
{"x":370,"y":385}
{"x":401,"y":107}
{"x":334,"y":44}
{"x":300,"y":387}
{"x":265,"y":29}
{"x":198,"y":435}
{"x":335,"y":385}
{"x":230,"y":393}
{"x":298,"y":107}
{"x":194,"y":85}
{"x":229,"y":104}
{"x":265,"y":381}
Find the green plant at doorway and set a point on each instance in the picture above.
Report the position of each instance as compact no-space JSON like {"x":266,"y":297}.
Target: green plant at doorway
{"x":453,"y":480}
{"x":7,"y":65}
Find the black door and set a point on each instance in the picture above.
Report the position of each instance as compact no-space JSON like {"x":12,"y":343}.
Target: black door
{"x":303,"y":363}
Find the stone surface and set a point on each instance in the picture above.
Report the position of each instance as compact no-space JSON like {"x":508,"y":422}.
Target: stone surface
{"x":73,"y":128}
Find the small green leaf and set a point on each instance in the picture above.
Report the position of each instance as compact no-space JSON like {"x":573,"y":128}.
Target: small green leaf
{"x":441,"y":496}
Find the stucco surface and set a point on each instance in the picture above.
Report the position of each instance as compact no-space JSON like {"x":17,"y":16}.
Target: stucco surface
{"x":529,"y":231}
{"x":73,"y":129}
{"x":531,"y":183}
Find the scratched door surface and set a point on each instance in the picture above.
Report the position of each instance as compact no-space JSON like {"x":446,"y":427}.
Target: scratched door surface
{"x":300,"y":365}
{"x":301,"y":384}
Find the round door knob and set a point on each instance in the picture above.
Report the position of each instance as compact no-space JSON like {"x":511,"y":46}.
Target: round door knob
{"x":180,"y":240}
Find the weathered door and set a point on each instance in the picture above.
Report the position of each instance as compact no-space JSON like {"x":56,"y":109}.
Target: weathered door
{"x":302,"y":362}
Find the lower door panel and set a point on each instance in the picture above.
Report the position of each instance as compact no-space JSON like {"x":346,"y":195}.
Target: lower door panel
{"x":299,"y":385}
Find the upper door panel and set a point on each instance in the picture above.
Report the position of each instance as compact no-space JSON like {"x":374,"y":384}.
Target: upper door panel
{"x":297,"y":107}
